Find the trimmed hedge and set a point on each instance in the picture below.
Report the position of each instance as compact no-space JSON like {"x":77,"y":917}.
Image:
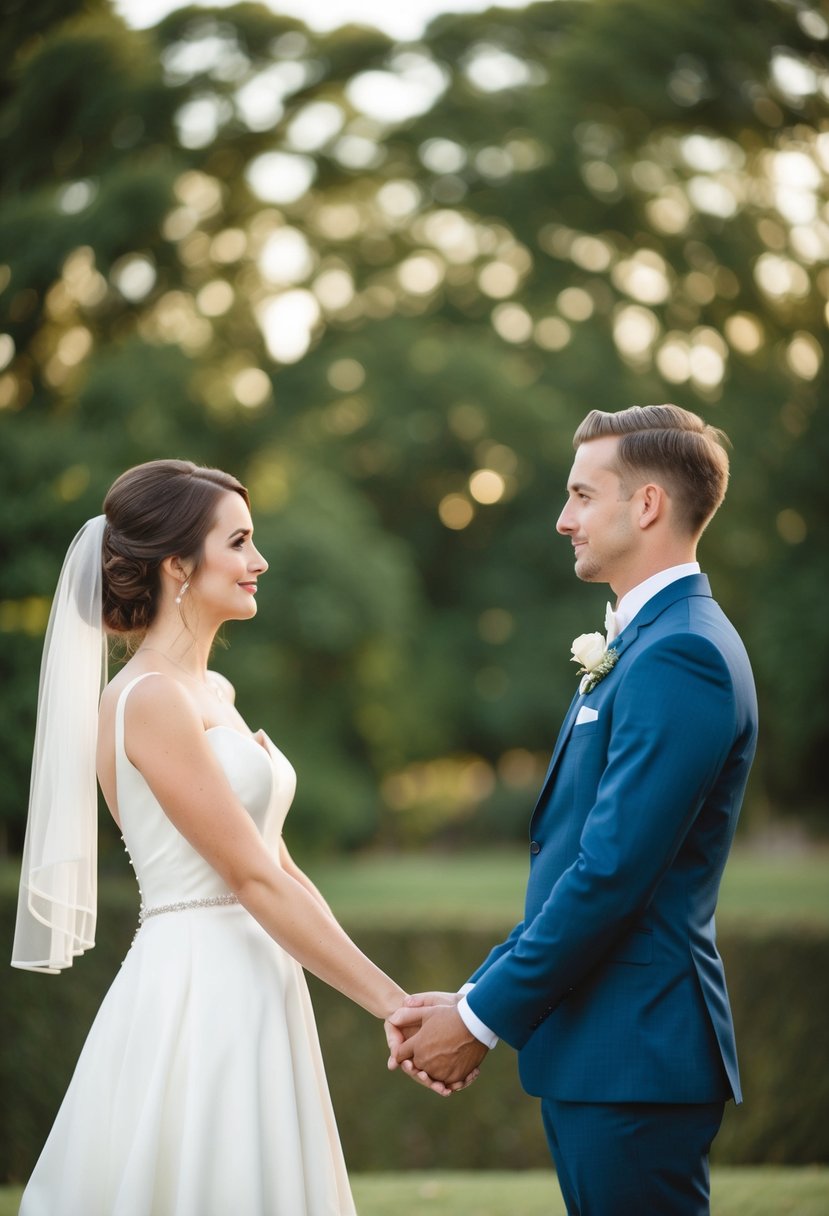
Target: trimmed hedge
{"x":779,"y":984}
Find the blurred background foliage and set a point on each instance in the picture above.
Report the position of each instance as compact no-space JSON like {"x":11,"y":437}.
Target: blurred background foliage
{"x":382,"y":283}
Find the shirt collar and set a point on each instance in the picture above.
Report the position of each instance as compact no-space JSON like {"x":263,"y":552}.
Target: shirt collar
{"x":635,"y":599}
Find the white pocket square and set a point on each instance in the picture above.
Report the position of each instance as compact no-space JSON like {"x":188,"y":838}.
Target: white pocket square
{"x":586,"y":714}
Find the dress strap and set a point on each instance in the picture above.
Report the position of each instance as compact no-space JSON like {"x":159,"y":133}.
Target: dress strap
{"x":119,"y":712}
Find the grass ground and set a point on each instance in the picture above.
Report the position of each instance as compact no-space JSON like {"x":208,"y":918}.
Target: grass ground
{"x":488,"y":888}
{"x":735,"y":1192}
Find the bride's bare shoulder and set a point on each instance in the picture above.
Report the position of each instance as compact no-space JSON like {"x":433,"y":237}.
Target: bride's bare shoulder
{"x":105,"y":753}
{"x":130,"y":672}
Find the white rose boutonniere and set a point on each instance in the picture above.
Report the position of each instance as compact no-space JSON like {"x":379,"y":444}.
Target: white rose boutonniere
{"x":595,"y":659}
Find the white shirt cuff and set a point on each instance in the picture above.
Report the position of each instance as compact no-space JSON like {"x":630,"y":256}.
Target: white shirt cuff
{"x":473,"y":1023}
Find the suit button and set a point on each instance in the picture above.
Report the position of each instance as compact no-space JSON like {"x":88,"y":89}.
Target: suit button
{"x":535,"y":847}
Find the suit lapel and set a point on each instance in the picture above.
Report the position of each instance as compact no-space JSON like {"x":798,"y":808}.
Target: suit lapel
{"x":563,"y":735}
{"x":682,"y":588}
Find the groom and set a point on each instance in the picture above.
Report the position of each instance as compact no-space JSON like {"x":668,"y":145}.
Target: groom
{"x":611,"y":988}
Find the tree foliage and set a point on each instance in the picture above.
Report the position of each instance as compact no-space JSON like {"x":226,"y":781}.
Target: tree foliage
{"x":382,"y":284}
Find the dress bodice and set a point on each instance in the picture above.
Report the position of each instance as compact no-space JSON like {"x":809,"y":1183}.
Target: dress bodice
{"x":167,"y":867}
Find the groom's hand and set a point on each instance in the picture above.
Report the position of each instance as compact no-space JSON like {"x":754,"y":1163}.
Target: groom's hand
{"x":395,"y":1037}
{"x":441,"y":1046}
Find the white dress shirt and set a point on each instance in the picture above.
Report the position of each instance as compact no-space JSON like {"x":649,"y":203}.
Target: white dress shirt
{"x":629,"y":605}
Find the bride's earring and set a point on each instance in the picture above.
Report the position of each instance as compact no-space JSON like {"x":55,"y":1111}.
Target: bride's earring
{"x":183,"y":591}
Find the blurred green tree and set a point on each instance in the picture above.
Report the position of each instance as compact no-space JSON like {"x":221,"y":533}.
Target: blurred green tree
{"x":382,"y":284}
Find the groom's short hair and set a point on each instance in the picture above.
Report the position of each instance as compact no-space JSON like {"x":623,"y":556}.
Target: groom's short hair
{"x":669,"y":445}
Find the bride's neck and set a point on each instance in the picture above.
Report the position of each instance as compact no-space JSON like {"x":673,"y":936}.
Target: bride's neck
{"x":190,"y":651}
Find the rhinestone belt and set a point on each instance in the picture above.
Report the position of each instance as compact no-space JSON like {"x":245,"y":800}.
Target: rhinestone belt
{"x":212,"y":901}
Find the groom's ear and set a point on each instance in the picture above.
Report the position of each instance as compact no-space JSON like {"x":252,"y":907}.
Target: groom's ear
{"x":653,"y":504}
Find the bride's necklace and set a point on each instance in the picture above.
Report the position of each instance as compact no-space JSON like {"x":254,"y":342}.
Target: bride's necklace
{"x":209,"y":685}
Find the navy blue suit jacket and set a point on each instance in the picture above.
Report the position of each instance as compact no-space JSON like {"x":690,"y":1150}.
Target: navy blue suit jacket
{"x":611,"y":988}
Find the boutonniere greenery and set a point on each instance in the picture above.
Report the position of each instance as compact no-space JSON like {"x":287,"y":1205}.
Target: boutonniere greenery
{"x":595,"y":659}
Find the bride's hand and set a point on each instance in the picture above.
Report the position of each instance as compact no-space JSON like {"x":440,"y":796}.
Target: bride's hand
{"x":396,"y":1036}
{"x":417,"y":999}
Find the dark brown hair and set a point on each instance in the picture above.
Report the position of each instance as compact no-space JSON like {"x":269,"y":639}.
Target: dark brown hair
{"x":672,"y":446}
{"x":155,"y":510}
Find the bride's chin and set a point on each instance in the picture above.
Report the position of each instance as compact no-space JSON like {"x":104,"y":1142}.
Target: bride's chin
{"x":241,"y":615}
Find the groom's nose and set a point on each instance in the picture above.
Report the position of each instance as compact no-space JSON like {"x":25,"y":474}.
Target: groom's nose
{"x":563,"y":524}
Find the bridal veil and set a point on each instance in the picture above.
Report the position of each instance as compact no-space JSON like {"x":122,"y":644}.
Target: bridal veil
{"x":57,"y":904}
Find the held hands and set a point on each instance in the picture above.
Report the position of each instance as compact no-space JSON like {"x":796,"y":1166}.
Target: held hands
{"x":395,"y":1039}
{"x":428,"y":1040}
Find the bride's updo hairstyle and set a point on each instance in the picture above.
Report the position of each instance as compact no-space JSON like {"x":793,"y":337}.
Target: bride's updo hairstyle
{"x":161,"y":509}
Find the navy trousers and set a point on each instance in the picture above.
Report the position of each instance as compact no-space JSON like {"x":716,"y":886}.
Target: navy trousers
{"x":632,"y":1158}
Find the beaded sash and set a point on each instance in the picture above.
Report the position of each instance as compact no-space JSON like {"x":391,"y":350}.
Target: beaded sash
{"x":211,"y":901}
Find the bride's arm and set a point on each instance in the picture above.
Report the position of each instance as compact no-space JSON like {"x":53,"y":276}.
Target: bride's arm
{"x":165,"y":740}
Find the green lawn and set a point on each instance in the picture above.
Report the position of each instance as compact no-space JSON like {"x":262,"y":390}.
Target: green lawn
{"x":735,"y":1192}
{"x":488,"y":888}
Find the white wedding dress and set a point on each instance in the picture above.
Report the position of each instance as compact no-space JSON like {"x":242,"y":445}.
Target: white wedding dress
{"x":200,"y":1090}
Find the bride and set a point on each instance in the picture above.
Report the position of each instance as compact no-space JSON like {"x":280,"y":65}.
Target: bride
{"x":200,"y":1090}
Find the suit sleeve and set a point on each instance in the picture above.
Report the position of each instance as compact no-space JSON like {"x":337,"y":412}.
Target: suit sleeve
{"x":674,"y":722}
